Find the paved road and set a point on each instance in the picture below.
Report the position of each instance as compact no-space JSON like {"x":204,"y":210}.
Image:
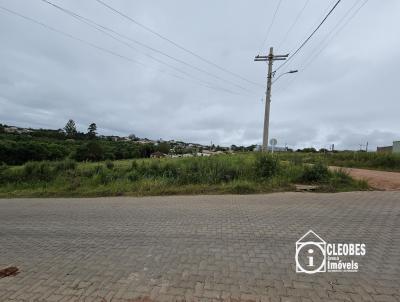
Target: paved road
{"x":203,"y":248}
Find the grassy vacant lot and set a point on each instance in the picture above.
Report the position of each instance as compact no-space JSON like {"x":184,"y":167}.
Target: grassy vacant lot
{"x":370,"y":160}
{"x":239,"y":173}
{"x":377,"y":161}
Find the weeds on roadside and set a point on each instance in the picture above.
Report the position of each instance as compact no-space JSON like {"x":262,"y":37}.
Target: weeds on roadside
{"x":238,"y":174}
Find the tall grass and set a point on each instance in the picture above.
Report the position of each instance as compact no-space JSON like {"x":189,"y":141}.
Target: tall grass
{"x":368,"y":160}
{"x":241,"y":173}
{"x":384,"y":161}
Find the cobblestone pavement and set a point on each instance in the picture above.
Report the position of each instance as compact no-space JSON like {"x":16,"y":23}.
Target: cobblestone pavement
{"x":202,"y":248}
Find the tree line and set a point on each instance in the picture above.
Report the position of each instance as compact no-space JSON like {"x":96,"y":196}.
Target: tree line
{"x":44,"y":144}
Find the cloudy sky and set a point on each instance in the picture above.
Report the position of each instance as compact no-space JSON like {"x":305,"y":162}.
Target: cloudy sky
{"x":346,"y":91}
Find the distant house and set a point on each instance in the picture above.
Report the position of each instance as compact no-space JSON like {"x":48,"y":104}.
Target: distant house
{"x":207,"y":152}
{"x":18,"y":130}
{"x":390,"y":149}
{"x":157,"y":155}
{"x":11,"y":130}
{"x":396,"y":147}
{"x":145,"y":141}
{"x":202,"y":154}
{"x":386,"y":149}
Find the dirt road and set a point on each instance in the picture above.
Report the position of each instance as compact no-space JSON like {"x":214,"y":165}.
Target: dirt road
{"x":381,"y":180}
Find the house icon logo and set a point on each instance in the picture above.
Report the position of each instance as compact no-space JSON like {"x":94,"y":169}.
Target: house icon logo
{"x":310,"y":254}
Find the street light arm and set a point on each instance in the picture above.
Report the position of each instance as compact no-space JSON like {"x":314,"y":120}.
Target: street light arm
{"x":291,"y":71}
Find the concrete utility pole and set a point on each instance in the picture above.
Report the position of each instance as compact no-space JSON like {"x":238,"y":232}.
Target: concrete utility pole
{"x":270,"y":58}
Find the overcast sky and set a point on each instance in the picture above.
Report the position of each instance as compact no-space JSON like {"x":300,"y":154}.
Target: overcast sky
{"x":349,"y":93}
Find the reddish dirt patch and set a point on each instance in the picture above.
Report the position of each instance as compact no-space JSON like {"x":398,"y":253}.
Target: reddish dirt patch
{"x":9,"y":271}
{"x":380,"y":180}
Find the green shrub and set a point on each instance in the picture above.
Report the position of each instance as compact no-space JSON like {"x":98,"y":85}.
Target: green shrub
{"x":225,"y":173}
{"x":97,"y":169}
{"x":20,"y":152}
{"x":169,"y":170}
{"x":3,"y":166}
{"x":38,"y":171}
{"x":315,"y":173}
{"x":92,"y":171}
{"x":91,"y":151}
{"x":65,"y":165}
{"x":109,"y":164}
{"x":104,"y":176}
{"x":296,"y":159}
{"x":340,"y":177}
{"x":266,"y":166}
{"x":134,"y":165}
{"x":5,"y":175}
{"x":133,"y":175}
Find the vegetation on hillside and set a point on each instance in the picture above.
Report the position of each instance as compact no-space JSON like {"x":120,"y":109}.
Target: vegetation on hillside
{"x":17,"y":148}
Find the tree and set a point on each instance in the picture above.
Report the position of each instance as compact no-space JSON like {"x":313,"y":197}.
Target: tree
{"x":307,"y":150}
{"x":70,"y":129}
{"x":91,"y":151}
{"x":133,"y":137}
{"x":164,"y":147}
{"x":92,"y":130}
{"x":251,"y":148}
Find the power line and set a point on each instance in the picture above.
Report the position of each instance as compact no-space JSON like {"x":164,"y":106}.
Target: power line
{"x":329,"y":37}
{"x":208,"y":85}
{"x":317,"y":21}
{"x":309,"y":37}
{"x":71,"y":36}
{"x":332,"y":34}
{"x":100,"y":28}
{"x":176,"y":44}
{"x":285,"y":36}
{"x":270,"y":26}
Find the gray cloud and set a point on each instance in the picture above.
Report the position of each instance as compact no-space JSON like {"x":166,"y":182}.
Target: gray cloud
{"x":347,"y":96}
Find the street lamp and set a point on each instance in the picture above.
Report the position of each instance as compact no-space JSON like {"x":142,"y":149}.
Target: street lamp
{"x":291,"y":71}
{"x":267,"y":104}
{"x":270,"y":58}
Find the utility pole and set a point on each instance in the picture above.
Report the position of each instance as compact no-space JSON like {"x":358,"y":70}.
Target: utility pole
{"x":270,"y":58}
